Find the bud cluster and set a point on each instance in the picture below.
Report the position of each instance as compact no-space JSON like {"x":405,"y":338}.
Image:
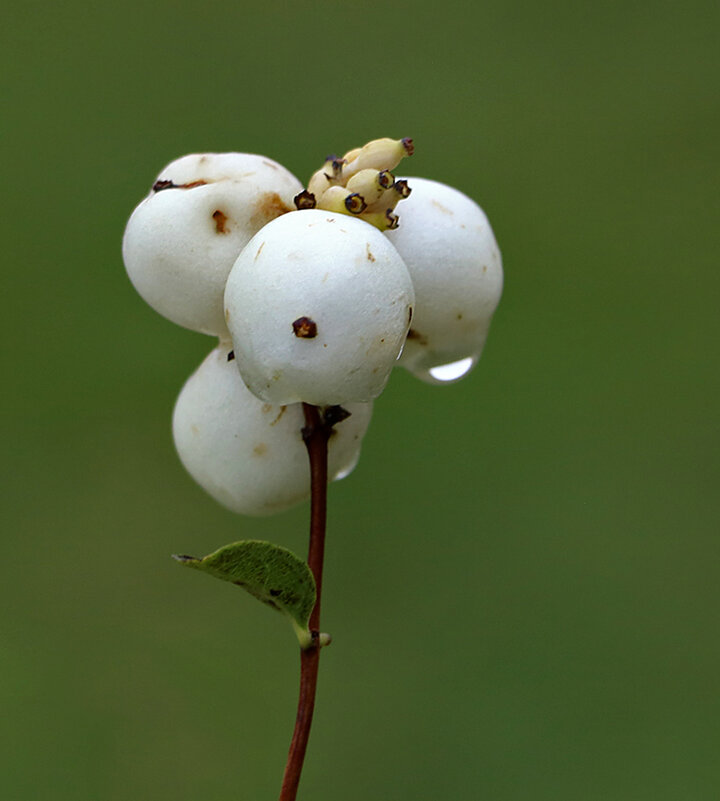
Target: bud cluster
{"x":314,"y":294}
{"x":360,"y":183}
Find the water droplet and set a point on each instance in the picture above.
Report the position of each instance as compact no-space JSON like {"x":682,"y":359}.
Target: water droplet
{"x":452,"y":371}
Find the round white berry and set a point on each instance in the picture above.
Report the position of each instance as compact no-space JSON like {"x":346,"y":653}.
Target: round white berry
{"x":318,"y":306}
{"x":448,"y":245}
{"x":247,"y":454}
{"x":182,"y":240}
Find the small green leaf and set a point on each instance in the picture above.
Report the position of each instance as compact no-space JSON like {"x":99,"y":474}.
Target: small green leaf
{"x":274,"y":575}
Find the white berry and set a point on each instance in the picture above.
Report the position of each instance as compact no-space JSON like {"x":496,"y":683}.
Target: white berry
{"x":182,"y":240}
{"x":318,"y":306}
{"x":448,"y":245}
{"x":247,"y":454}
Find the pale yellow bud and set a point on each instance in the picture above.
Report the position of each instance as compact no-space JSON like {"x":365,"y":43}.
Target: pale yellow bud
{"x":330,"y":174}
{"x":342,"y":200}
{"x":371,"y":184}
{"x":382,"y":220}
{"x":380,"y":154}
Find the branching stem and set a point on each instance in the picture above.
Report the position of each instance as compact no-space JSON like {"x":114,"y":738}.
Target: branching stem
{"x":315,"y":434}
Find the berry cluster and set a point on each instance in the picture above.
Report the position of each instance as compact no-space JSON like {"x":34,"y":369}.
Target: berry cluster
{"x":314,"y":295}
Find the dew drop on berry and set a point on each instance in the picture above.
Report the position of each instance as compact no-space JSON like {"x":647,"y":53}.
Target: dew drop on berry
{"x":447,"y":373}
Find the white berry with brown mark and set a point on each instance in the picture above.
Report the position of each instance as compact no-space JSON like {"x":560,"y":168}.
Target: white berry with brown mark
{"x":182,"y":240}
{"x":318,"y":306}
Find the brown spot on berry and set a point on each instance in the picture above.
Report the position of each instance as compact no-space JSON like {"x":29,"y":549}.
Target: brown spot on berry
{"x":220,"y":222}
{"x":416,"y":336}
{"x":407,"y":143}
{"x":164,"y":184}
{"x":369,"y":253}
{"x":260,"y":449}
{"x":440,"y":207}
{"x":270,"y":206}
{"x":305,"y":328}
{"x":259,"y":251}
{"x":282,"y":411}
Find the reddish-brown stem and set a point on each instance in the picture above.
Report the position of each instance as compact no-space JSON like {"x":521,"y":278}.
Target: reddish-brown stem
{"x":315,"y":435}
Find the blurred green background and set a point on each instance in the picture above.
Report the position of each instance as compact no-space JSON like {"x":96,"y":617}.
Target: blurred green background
{"x":522,"y":574}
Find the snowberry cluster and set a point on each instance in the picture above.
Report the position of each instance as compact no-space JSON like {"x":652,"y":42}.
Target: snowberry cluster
{"x":314,"y":294}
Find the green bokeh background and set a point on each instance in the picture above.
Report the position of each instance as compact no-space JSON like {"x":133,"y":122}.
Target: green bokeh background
{"x":522,"y":574}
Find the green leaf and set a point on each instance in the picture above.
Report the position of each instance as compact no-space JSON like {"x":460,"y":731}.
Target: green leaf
{"x":274,"y":575}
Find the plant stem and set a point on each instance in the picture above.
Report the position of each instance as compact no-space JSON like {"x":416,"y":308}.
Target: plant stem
{"x":315,"y":434}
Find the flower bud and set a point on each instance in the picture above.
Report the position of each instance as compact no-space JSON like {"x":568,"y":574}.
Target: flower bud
{"x":182,"y":240}
{"x":250,"y":455}
{"x":380,"y":154}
